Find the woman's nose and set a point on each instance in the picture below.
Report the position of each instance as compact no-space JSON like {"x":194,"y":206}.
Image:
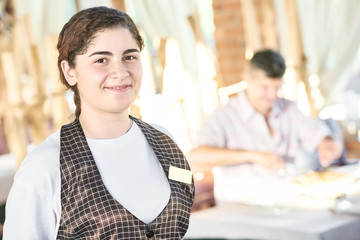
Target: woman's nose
{"x":119,"y":70}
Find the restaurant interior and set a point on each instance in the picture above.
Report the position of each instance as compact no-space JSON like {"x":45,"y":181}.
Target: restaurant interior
{"x":194,"y":57}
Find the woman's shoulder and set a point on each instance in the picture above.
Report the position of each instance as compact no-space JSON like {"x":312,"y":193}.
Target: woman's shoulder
{"x":157,"y":127}
{"x":35,"y":193}
{"x":161,"y":129}
{"x":42,"y":162}
{"x":47,"y":151}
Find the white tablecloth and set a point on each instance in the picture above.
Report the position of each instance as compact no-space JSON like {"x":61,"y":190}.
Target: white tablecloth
{"x":237,"y":221}
{"x":246,"y":197}
{"x":253,"y":185}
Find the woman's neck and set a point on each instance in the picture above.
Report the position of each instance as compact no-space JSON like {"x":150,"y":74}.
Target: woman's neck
{"x":106,"y":126}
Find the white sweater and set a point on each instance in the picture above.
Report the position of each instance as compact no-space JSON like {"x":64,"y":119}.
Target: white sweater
{"x":127,"y":164}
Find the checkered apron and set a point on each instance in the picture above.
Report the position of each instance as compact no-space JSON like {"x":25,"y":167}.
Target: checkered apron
{"x":90,"y":212}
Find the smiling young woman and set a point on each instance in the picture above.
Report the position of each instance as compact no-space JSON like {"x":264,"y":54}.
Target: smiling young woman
{"x":107,"y":175}
{"x":108,"y":78}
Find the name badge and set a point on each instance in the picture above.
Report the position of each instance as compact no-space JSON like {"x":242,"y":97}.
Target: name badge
{"x":180,"y":175}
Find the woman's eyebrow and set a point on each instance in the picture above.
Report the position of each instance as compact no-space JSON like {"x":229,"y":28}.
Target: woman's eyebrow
{"x":131,"y":50}
{"x":110,"y":53}
{"x":101,"y":53}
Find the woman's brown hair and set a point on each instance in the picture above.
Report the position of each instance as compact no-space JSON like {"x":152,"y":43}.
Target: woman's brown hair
{"x":78,"y":32}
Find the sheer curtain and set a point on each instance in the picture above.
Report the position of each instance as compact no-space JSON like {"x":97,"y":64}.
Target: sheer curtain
{"x":168,"y":19}
{"x":330,"y":34}
{"x":179,"y":105}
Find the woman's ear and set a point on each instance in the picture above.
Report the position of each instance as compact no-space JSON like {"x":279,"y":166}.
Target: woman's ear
{"x":69,"y":73}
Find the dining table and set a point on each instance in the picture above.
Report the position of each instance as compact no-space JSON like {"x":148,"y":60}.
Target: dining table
{"x":239,"y":221}
{"x":286,"y":214}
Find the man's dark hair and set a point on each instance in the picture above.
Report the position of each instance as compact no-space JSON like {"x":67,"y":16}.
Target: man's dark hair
{"x":271,"y":62}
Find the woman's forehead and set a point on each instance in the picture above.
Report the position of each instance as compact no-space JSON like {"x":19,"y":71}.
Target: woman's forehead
{"x":112,"y":37}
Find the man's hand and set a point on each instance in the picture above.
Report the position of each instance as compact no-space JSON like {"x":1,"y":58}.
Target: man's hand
{"x":328,"y":150}
{"x":270,"y":161}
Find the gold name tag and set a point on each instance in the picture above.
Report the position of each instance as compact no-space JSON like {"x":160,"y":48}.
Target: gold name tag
{"x":180,"y":175}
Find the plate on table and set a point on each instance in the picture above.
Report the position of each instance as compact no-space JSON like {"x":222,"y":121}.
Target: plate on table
{"x":325,"y":188}
{"x":347,"y":204}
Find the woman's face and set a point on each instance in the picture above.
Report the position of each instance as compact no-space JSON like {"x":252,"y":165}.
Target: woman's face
{"x":108,"y":75}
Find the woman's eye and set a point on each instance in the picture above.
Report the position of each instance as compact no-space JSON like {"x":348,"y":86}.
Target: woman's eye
{"x":101,"y":60}
{"x":129,"y":58}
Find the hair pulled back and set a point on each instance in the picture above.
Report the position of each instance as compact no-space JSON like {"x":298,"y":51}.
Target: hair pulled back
{"x":79,"y":31}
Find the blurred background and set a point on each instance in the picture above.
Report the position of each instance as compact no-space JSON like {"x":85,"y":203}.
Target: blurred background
{"x":196,"y":51}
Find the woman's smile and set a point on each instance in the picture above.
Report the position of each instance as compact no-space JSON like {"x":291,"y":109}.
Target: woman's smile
{"x":119,"y":88}
{"x":108,"y":75}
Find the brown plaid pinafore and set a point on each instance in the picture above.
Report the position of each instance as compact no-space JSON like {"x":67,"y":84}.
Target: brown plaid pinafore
{"x":90,"y":212}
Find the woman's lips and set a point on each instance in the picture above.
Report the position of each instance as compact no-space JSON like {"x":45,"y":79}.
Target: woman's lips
{"x":121,"y":88}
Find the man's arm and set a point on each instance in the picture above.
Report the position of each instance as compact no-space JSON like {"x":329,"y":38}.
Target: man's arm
{"x":205,"y":158}
{"x":329,"y":150}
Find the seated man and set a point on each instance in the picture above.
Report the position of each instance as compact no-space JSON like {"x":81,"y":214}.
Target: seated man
{"x":258,"y":127}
